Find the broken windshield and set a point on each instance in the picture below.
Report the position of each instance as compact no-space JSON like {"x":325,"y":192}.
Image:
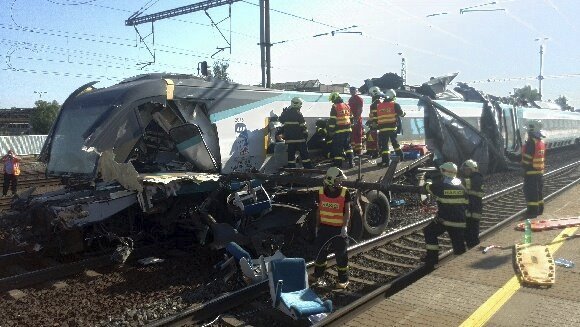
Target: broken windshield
{"x":67,"y":156}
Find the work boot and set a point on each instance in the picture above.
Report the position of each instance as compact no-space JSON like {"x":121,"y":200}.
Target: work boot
{"x":342,"y":286}
{"x":431,"y":258}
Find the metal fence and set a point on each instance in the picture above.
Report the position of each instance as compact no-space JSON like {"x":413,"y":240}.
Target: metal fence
{"x":22,"y":144}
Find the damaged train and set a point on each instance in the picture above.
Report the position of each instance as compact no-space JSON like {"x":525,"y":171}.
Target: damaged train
{"x":161,"y":152}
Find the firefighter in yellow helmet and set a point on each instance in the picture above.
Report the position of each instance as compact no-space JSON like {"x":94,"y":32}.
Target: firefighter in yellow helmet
{"x":332,"y":219}
{"x":295,"y":133}
{"x":533,"y":162}
{"x":339,"y":129}
{"x":472,"y":180}
{"x":451,"y":204}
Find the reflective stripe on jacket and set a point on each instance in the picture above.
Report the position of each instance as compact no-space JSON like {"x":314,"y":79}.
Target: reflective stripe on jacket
{"x":331,"y":210}
{"x":451,"y":200}
{"x":534,"y":163}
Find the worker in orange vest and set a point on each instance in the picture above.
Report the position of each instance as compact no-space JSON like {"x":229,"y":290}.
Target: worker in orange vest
{"x":385,"y":119}
{"x":11,"y":172}
{"x":332,"y":218}
{"x":533,"y":157}
{"x":340,"y":131}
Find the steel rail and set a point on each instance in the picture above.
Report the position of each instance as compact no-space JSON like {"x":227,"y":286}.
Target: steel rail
{"x":229,"y":301}
{"x":342,"y":315}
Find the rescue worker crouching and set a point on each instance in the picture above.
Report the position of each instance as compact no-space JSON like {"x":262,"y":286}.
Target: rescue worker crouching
{"x":332,"y":218}
{"x":339,"y":130}
{"x":473,"y":182}
{"x":295,"y":133}
{"x":385,"y":120}
{"x":533,"y":163}
{"x":451,"y":203}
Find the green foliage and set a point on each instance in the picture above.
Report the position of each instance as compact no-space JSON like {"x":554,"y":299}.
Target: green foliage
{"x":220,"y":70}
{"x":562,"y":102}
{"x":526,"y":94}
{"x":44,"y":116}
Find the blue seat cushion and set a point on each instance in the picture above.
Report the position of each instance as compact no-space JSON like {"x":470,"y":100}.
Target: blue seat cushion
{"x":305,"y":303}
{"x":292,"y":271}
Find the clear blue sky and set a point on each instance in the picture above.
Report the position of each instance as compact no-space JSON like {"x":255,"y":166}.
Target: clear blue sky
{"x":54,"y":46}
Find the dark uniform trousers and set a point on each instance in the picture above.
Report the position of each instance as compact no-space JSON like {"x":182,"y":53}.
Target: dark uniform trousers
{"x":534,"y":194}
{"x":471,"y":232}
{"x":339,"y":245}
{"x":302,"y":148}
{"x":341,"y":147}
{"x":384,"y":137}
{"x":434,"y":230}
{"x":9,"y":179}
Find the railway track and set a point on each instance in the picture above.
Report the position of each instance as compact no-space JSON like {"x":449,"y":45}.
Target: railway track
{"x":378,"y":267}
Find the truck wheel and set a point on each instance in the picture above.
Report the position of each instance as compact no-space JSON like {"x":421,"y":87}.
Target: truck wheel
{"x":377,"y":214}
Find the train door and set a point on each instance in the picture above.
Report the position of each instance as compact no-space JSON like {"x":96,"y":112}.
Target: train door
{"x":510,"y":129}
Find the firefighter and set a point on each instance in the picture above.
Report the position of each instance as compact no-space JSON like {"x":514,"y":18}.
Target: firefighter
{"x":332,"y":217}
{"x":372,"y":137}
{"x":295,"y":133}
{"x":385,"y":119}
{"x":340,"y":131}
{"x":473,"y":183}
{"x":356,"y":105}
{"x":451,"y":203}
{"x":533,"y":155}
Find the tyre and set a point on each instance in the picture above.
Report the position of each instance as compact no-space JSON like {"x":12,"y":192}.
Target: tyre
{"x":377,"y":214}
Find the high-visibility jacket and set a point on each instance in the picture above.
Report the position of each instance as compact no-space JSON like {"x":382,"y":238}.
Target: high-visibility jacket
{"x":331,"y":210}
{"x":339,"y":121}
{"x":533,"y":156}
{"x":386,"y":116}
{"x":451,"y":201}
{"x":474,"y":189}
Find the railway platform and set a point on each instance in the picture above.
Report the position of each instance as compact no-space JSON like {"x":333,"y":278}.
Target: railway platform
{"x":477,"y":289}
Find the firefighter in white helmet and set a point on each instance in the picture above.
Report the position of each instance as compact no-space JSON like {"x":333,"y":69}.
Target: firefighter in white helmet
{"x":472,"y":180}
{"x":339,"y":129}
{"x":533,"y":162}
{"x":295,"y":133}
{"x":332,"y":219}
{"x":385,"y":118}
{"x":451,"y":202}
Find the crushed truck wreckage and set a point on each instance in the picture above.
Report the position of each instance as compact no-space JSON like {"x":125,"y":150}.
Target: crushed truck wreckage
{"x":157,"y":153}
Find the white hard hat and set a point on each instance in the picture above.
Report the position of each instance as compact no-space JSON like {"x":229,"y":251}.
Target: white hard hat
{"x":390,"y":94}
{"x":448,"y":169}
{"x":471,"y":164}
{"x":374,"y":91}
{"x":296,"y":103}
{"x":334,"y":176}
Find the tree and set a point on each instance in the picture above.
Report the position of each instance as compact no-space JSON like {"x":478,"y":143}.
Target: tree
{"x":220,"y":70}
{"x":526,"y":94}
{"x":562,"y":102}
{"x":44,"y":116}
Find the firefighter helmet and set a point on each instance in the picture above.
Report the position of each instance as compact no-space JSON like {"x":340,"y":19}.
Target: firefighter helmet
{"x":448,"y":169}
{"x":374,"y":91}
{"x":390,"y":94}
{"x":333,"y":96}
{"x":471,"y":164}
{"x":320,"y":123}
{"x":296,"y":103}
{"x":334,"y":176}
{"x":534,"y":125}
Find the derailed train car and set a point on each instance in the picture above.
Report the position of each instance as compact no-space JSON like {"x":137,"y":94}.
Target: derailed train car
{"x":156,"y":151}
